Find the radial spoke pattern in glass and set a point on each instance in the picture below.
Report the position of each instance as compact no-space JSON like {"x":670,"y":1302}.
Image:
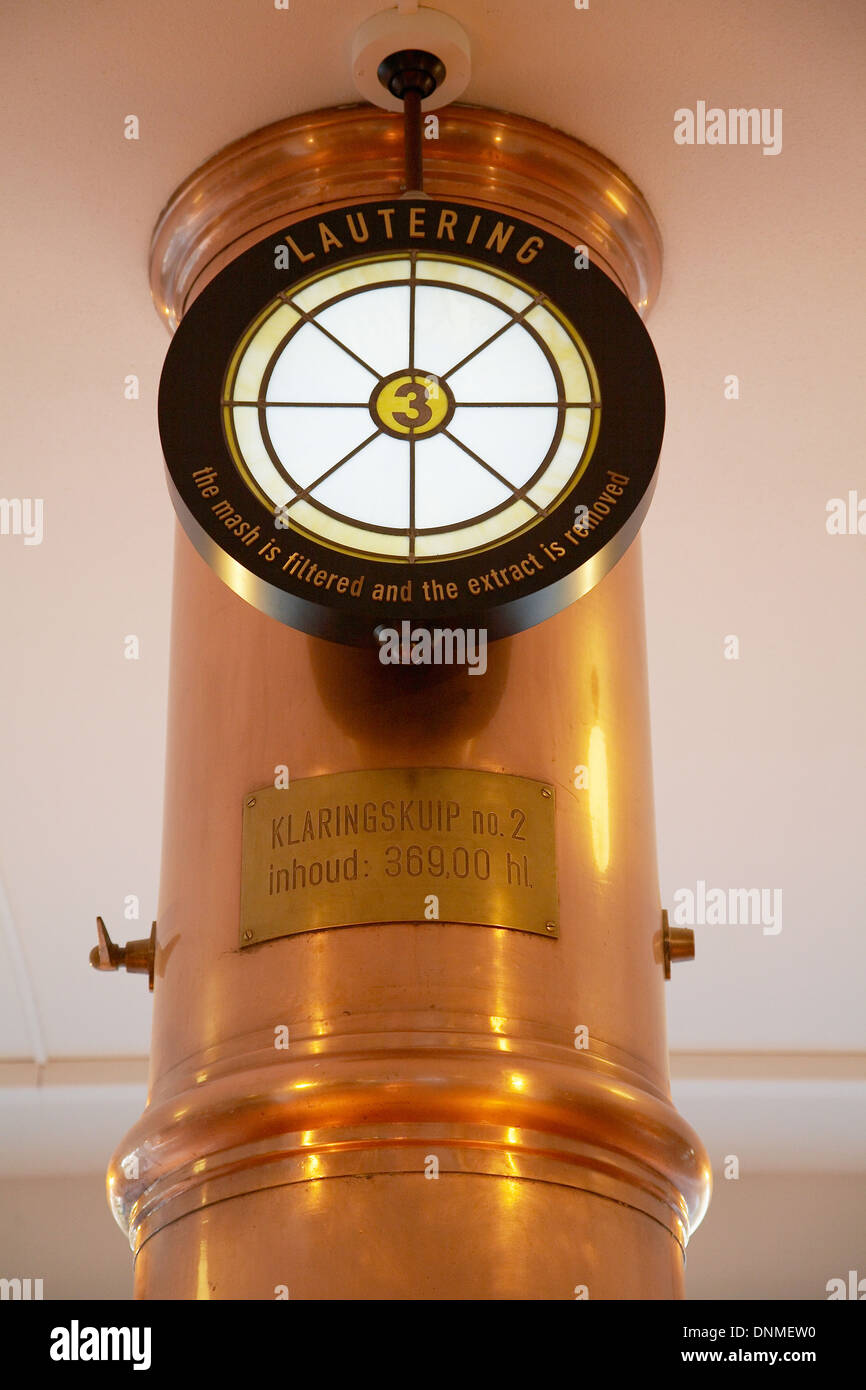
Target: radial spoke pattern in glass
{"x":411,"y":406}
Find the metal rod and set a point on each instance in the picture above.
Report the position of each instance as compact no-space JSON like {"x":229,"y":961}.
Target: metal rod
{"x":414,"y":165}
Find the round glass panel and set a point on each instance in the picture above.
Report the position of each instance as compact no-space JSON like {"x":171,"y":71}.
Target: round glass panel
{"x":411,"y":407}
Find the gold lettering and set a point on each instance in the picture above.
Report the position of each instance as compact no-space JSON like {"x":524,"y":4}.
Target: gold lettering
{"x":530,"y":249}
{"x":387,"y":214}
{"x":361,"y":234}
{"x":328,"y":237}
{"x":311,"y":256}
{"x":500,"y":236}
{"x":447,"y":223}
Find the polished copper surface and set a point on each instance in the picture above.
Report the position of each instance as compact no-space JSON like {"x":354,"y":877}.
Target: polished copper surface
{"x":530,"y":1073}
{"x":471,"y":1237}
{"x":409,"y":1039}
{"x":324,"y":159}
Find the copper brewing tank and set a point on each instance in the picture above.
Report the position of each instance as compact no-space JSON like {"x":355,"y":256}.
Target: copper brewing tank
{"x":257,"y":1173}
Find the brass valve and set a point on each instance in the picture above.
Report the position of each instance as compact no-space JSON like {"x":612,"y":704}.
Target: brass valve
{"x":137,"y":957}
{"x":678,"y":943}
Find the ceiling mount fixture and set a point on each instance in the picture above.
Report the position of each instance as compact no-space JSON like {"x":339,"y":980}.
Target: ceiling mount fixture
{"x":394,"y":35}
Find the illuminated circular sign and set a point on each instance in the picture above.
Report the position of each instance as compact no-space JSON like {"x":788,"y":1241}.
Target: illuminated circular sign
{"x":411,"y":410}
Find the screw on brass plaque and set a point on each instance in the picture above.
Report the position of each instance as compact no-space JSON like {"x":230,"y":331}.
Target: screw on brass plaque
{"x":456,"y":846}
{"x":136,"y":957}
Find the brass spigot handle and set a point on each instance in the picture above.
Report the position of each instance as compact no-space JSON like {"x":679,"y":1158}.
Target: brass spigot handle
{"x":136,"y":957}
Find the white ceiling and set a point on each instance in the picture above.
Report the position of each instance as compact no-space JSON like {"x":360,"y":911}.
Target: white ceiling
{"x":760,"y":764}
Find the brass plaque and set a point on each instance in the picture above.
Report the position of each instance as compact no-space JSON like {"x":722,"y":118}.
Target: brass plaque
{"x":399,"y":845}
